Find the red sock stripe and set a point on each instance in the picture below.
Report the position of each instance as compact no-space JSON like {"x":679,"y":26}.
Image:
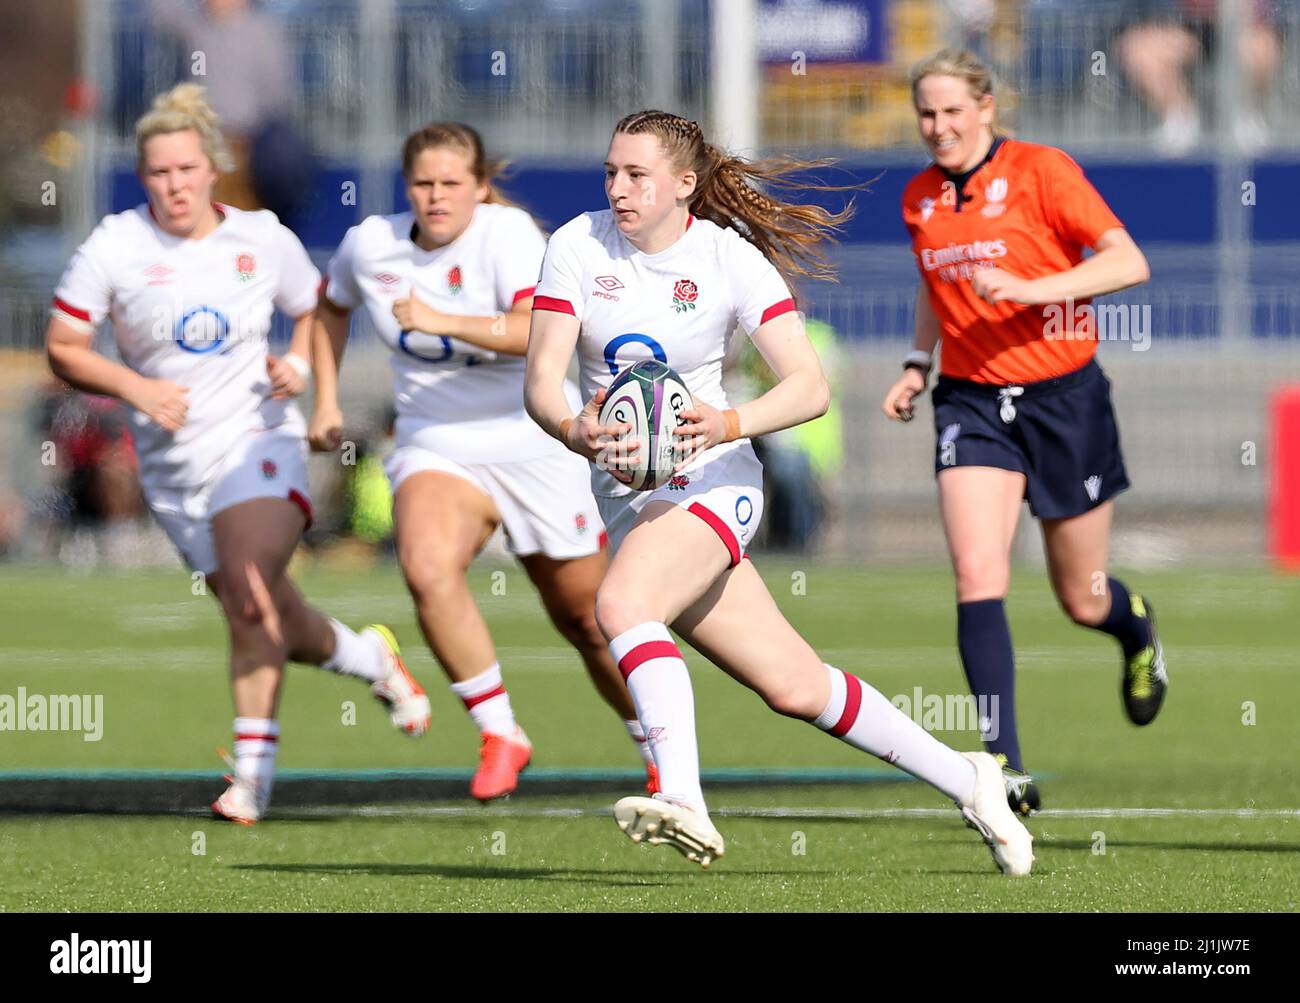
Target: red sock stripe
{"x":645,"y":652}
{"x":256,"y":738}
{"x":472,"y":702}
{"x":721,"y":528}
{"x":852,"y":702}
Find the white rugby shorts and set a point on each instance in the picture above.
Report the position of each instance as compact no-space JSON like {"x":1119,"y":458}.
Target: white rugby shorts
{"x":545,"y":503}
{"x":266,"y":464}
{"x":727,"y":493}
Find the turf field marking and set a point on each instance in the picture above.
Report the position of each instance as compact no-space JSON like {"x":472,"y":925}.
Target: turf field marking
{"x":558,"y":659}
{"x":536,"y":775}
{"x":849,"y":814}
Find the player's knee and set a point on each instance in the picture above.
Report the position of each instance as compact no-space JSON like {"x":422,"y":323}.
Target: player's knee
{"x":1084,"y":608}
{"x":247,"y":624}
{"x":978,"y":577}
{"x":577,"y":623}
{"x":430,"y":576}
{"x":793,"y":699}
{"x":616,"y":612}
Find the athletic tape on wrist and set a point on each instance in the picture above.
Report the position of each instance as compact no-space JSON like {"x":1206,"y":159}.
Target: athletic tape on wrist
{"x":732,"y":417}
{"x":298,"y":364}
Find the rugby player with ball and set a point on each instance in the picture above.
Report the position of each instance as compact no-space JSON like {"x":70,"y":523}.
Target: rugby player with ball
{"x":665,"y":273}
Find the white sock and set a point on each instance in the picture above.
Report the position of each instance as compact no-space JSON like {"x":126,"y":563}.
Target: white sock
{"x":487,"y":701}
{"x":638,"y":736}
{"x":256,"y":743}
{"x":660,"y":685}
{"x":355,"y":655}
{"x":862,"y":717}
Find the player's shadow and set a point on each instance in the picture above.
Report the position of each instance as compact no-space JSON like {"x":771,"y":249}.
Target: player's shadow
{"x":1041,"y":843}
{"x":613,"y":878}
{"x":1153,"y":844}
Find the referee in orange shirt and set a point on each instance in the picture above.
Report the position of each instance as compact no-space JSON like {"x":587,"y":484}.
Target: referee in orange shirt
{"x":1022,"y":410}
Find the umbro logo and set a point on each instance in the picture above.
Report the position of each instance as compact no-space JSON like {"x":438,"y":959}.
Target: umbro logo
{"x":1093,"y":486}
{"x":159,"y":274}
{"x":608,"y":283}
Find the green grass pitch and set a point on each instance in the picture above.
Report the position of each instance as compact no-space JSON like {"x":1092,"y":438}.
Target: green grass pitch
{"x":1231,"y":840}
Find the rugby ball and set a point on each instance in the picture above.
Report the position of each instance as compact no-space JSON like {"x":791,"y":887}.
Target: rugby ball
{"x":650,"y":397}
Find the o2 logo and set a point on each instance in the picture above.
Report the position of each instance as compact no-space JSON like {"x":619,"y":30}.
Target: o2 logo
{"x":443,"y":353}
{"x":201,"y":330}
{"x":744,"y":510}
{"x":611,"y":349}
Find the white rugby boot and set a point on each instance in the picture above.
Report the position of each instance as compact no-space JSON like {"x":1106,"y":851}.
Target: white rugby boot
{"x":661,"y":820}
{"x":240,"y":803}
{"x":404,"y":698}
{"x":989,"y":814}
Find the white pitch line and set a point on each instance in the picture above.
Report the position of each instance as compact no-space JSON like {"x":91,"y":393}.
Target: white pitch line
{"x":449,"y":811}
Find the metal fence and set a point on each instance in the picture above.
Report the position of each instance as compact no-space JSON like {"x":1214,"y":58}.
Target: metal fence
{"x":542,"y":79}
{"x":549,"y":78}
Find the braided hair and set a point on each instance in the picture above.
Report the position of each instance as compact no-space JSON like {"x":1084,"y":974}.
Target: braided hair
{"x":727,"y":193}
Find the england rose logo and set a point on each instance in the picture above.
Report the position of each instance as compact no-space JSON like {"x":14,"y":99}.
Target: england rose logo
{"x":245,"y":267}
{"x":684,"y":295}
{"x":453,"y":280}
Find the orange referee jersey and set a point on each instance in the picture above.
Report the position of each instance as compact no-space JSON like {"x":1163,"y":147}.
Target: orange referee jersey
{"x":1028,"y":210}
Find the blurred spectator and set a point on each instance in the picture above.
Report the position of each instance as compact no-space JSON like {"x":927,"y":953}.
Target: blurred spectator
{"x":354,"y":511}
{"x":13,"y":514}
{"x":99,"y":488}
{"x":799,"y":462}
{"x":38,"y":58}
{"x":1168,"y":37}
{"x":369,"y":497}
{"x":246,"y":68}
{"x":973,"y":20}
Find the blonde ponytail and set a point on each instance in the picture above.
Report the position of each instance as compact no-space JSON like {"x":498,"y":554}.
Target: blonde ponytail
{"x":184,"y":107}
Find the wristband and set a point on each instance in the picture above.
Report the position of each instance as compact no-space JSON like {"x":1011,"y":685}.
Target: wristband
{"x":919,"y":360}
{"x":732,"y":417}
{"x":564,"y":429}
{"x":298,"y":364}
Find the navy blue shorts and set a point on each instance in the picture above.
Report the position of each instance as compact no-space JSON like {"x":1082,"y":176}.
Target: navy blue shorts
{"x":1060,"y":433}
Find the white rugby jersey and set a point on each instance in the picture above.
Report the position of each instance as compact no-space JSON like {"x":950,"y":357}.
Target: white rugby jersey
{"x":456,"y":399}
{"x":196,"y":312}
{"x":679,"y":306}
